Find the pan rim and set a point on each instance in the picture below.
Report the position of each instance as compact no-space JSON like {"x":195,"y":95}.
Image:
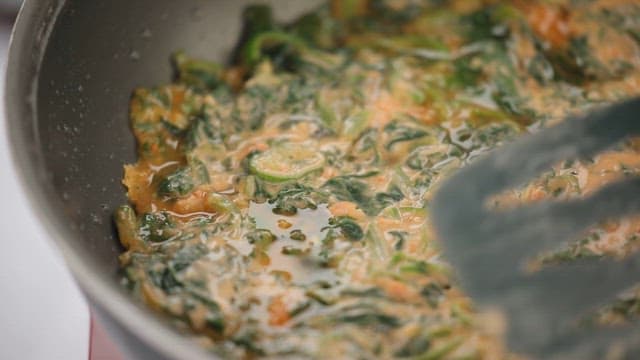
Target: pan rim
{"x":34,"y":23}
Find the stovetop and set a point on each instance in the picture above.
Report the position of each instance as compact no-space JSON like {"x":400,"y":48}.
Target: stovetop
{"x":43,"y":314}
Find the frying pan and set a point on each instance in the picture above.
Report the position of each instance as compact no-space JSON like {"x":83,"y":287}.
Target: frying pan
{"x":71,"y":69}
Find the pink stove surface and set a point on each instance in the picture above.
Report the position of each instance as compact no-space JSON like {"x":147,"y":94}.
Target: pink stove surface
{"x":101,"y":347}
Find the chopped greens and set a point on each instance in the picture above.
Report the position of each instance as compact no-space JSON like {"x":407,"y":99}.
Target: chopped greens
{"x":279,"y":207}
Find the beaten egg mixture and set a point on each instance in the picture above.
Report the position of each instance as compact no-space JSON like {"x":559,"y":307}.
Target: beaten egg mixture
{"x":279,"y":207}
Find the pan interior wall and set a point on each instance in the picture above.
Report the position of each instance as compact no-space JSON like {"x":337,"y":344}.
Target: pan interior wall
{"x":98,"y":52}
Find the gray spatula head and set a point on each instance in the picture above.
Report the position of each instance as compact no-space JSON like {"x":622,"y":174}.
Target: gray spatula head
{"x":488,"y":248}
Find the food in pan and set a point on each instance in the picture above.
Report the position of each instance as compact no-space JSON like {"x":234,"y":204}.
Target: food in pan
{"x":280,"y":205}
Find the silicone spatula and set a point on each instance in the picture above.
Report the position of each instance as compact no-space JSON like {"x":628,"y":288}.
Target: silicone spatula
{"x":489,"y":248}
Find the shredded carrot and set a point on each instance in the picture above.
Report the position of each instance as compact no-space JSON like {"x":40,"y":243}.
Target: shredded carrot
{"x":136,"y":179}
{"x":549,"y":22}
{"x":278,"y":312}
{"x":346,"y":208}
{"x":397,"y":290}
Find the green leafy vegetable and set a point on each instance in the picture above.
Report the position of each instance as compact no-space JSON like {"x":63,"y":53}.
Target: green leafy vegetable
{"x":297,"y":235}
{"x":400,"y":133}
{"x":296,"y":196}
{"x":278,"y":46}
{"x":367,"y":315}
{"x":348,"y":227}
{"x":183,"y":181}
{"x":349,"y":188}
{"x":260,"y":238}
{"x":199,"y":74}
{"x":156,"y":226}
{"x":415,"y":346}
